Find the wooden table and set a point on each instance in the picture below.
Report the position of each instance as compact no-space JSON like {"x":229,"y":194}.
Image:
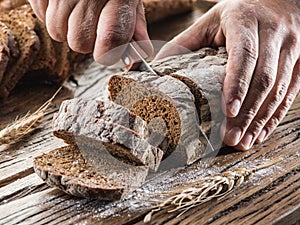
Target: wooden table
{"x":272,"y":196}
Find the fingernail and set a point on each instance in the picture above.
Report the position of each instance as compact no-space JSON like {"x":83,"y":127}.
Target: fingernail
{"x":261,"y":137}
{"x":234,"y":107}
{"x":247,"y":140}
{"x":233,"y":136}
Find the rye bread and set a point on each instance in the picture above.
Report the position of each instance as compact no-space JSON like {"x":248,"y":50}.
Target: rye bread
{"x":46,"y":58}
{"x":203,"y":72}
{"x":66,"y":169}
{"x":28,"y":44}
{"x":106,"y":126}
{"x":62,"y":65}
{"x":5,"y":52}
{"x":151,"y":96}
{"x":9,"y":39}
{"x":156,"y":10}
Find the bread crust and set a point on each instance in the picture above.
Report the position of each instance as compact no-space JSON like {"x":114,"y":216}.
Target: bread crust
{"x":66,"y":169}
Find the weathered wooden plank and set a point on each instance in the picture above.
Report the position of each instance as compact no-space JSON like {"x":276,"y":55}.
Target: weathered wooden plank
{"x":17,"y":188}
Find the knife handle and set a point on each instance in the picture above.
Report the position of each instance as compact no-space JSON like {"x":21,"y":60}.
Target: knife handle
{"x":131,"y":59}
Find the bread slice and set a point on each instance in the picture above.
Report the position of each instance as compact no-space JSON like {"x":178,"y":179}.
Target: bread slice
{"x":5,"y":44}
{"x":62,"y":66}
{"x":152,"y":97}
{"x":9,"y":39}
{"x":28,"y":44}
{"x":46,"y":58}
{"x":105,"y":125}
{"x":66,"y":169}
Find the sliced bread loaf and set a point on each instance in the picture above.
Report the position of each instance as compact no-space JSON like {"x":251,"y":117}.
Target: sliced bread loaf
{"x":66,"y":169}
{"x":167,"y":98}
{"x":6,"y":41}
{"x":105,"y":125}
{"x":62,"y":65}
{"x":46,"y":58}
{"x":9,"y":39}
{"x":28,"y":44}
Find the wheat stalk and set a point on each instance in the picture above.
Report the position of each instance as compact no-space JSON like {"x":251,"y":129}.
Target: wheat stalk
{"x":205,"y":189}
{"x":23,"y":126}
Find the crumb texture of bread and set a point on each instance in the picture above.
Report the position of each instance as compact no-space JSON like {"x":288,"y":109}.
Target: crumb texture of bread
{"x":66,"y":169}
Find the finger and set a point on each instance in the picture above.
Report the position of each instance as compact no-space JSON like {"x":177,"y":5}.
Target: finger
{"x":82,"y":25}
{"x":242,"y":48}
{"x":272,"y":102}
{"x":39,"y":7}
{"x":57,"y":15}
{"x":201,"y":34}
{"x":141,"y":34}
{"x":261,"y":84}
{"x":116,"y":27}
{"x":285,"y":105}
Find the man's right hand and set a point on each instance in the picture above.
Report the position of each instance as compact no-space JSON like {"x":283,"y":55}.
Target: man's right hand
{"x":96,"y":26}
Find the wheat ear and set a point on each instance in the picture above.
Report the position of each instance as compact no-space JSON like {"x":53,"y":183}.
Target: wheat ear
{"x":205,"y":189}
{"x":23,"y":126}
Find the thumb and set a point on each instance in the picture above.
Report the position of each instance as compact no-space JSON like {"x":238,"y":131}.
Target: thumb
{"x":204,"y":32}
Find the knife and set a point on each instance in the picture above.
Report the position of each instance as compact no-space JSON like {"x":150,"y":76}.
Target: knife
{"x":134,"y":58}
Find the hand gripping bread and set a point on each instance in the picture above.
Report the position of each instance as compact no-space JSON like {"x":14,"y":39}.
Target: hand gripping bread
{"x":203,"y":72}
{"x":105,"y":125}
{"x":66,"y":169}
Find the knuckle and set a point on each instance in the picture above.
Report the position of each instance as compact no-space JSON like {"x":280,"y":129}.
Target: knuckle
{"x":258,"y":124}
{"x":248,"y":116}
{"x":279,"y":93}
{"x":250,"y":50}
{"x":292,"y":39}
{"x":114,"y":37}
{"x":265,"y":80}
{"x":287,"y":103}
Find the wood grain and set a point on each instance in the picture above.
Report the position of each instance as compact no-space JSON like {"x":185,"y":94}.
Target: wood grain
{"x":272,"y":196}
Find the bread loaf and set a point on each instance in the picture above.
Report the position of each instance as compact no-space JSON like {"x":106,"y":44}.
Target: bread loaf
{"x":105,"y":125}
{"x":29,"y":45}
{"x":33,"y":55}
{"x":151,"y":96}
{"x":66,"y":169}
{"x":144,"y":94}
{"x":6,"y":41}
{"x":156,"y":10}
